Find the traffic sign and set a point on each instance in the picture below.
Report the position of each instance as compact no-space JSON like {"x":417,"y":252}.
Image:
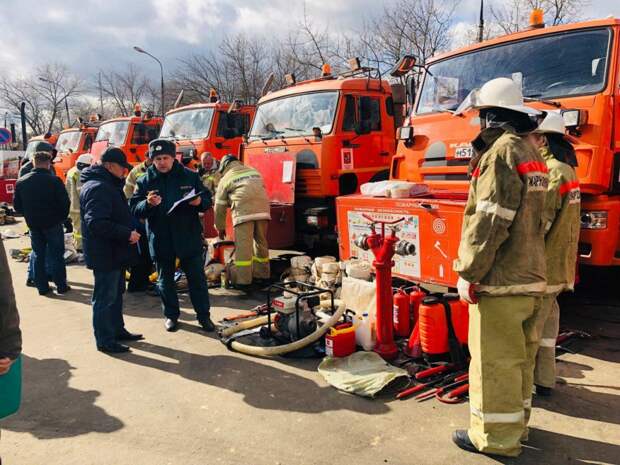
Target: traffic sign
{"x":5,"y":136}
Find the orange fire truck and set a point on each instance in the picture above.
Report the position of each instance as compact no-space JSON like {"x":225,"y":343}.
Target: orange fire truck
{"x":131,"y":134}
{"x":573,"y":69}
{"x":317,"y":139}
{"x":72,"y":143}
{"x":214,"y":127}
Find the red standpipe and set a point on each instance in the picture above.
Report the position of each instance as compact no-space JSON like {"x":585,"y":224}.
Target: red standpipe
{"x":383,"y":248}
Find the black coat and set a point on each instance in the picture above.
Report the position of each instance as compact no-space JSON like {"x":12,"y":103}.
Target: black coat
{"x":106,"y":221}
{"x":180,"y":233}
{"x":42,"y":198}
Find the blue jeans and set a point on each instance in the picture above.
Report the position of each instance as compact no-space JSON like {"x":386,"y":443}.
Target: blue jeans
{"x":196,"y":280}
{"x":48,"y":246}
{"x":108,"y":306}
{"x":48,"y":268}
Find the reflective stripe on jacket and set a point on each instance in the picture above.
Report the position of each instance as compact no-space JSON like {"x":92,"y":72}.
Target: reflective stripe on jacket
{"x":132,"y":178}
{"x":502,"y":242}
{"x":242,"y":189}
{"x":562,"y":224}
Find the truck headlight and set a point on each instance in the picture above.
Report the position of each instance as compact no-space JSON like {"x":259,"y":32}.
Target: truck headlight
{"x":574,"y":118}
{"x":594,"y":220}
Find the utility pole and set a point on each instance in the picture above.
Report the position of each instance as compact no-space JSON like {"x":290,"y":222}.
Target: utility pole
{"x":481,"y":24}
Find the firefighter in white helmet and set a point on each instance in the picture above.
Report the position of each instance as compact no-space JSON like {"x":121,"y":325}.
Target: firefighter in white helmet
{"x":73,"y":186}
{"x":562,"y":225}
{"x":501,"y":267}
{"x":242,"y":189}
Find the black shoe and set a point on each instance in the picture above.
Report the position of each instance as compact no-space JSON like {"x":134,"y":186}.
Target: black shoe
{"x":63,"y":290}
{"x":461,"y":439}
{"x":207,"y":325}
{"x":45,"y":292}
{"x":171,"y":325}
{"x":543,"y":391}
{"x":127,"y":336}
{"x":30,"y":283}
{"x":113,"y":348}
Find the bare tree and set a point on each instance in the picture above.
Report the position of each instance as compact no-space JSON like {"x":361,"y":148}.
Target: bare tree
{"x":420,"y":27}
{"x":513,"y":15}
{"x":44,"y":94}
{"x":124,"y":89}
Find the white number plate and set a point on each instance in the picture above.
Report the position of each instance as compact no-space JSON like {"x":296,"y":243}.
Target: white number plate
{"x":463,"y":152}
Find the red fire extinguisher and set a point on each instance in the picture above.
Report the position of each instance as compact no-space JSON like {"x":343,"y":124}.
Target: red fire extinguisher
{"x":415,"y":299}
{"x":402,"y":315}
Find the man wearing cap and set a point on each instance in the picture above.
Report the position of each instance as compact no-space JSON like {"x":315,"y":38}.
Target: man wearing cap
{"x":242,"y":189}
{"x":562,"y":226}
{"x":42,"y":199}
{"x":73,"y":186}
{"x":109,"y":240}
{"x":174,"y":232}
{"x":502,"y":282}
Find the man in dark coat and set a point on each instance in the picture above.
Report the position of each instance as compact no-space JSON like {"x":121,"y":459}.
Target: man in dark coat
{"x":10,"y":334}
{"x":42,"y":199}
{"x":174,"y":233}
{"x":109,"y":241}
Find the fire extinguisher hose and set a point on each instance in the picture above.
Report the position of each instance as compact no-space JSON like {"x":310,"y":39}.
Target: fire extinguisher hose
{"x":286,"y":348}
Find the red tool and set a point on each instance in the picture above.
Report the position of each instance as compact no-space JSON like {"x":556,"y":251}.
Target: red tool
{"x":259,"y":310}
{"x":455,"y":396}
{"x":433,"y":371}
{"x":421,"y":387}
{"x":442,"y":389}
{"x":383,"y":248}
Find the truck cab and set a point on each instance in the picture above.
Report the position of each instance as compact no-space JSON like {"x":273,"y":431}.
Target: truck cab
{"x":214,"y":127}
{"x":131,"y":134}
{"x":318,"y":139}
{"x":72,"y":143}
{"x":572,"y":69}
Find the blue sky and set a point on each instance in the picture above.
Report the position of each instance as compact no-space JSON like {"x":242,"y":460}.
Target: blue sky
{"x":89,"y":34}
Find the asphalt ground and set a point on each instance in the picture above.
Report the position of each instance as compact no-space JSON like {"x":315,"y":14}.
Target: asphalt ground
{"x":184,"y":398}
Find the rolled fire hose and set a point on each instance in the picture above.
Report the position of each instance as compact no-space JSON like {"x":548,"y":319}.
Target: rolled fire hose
{"x":286,"y":348}
{"x":261,"y":320}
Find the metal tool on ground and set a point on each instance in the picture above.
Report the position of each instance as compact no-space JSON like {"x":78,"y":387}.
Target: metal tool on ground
{"x":455,"y":396}
{"x":438,"y":381}
{"x":457,"y":381}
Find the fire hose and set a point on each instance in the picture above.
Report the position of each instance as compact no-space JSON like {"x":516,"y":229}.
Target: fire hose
{"x":285,"y":348}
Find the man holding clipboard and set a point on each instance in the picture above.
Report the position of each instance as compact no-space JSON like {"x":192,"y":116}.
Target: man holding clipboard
{"x":169,"y":197}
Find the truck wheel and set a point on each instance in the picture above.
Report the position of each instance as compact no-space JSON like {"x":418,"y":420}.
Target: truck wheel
{"x":347,"y":184}
{"x":381,"y":176}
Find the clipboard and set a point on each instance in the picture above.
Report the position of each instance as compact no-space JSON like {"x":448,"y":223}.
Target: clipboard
{"x":187,"y":198}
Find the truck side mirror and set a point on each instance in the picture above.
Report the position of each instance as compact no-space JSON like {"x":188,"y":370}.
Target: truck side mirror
{"x":410,"y":86}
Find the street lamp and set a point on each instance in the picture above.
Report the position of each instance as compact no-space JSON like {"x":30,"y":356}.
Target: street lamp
{"x":161,"y":69}
{"x":41,"y":78}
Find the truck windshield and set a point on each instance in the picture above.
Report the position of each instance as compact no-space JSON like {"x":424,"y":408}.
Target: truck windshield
{"x":558,"y":65}
{"x":68,"y":141}
{"x":114,"y":132}
{"x":188,"y":124}
{"x":296,"y":115}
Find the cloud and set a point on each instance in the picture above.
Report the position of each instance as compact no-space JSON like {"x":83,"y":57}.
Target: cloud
{"x":90,"y":34}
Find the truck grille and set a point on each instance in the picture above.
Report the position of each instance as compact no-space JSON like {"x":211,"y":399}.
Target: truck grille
{"x":308,"y":183}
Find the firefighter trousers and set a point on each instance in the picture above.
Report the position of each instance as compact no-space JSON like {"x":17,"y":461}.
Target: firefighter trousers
{"x":251,"y":258}
{"x":503,"y":343}
{"x":77,"y":229}
{"x":548,"y":328}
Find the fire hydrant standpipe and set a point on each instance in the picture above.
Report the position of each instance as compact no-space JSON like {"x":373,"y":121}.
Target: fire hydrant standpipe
{"x":383,"y":248}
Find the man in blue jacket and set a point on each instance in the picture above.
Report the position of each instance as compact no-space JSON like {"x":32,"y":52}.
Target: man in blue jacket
{"x":108,"y":239}
{"x":174,"y":233}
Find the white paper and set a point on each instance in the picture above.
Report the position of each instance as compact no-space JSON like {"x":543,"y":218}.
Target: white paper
{"x":185,"y":198}
{"x":287,"y":171}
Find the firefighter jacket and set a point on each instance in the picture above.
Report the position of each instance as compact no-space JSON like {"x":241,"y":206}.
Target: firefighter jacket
{"x":562,"y":224}
{"x":173,"y":233}
{"x":242,"y":189}
{"x":502,"y":245}
{"x":73,"y":186}
{"x":132,"y":178}
{"x":210,"y":180}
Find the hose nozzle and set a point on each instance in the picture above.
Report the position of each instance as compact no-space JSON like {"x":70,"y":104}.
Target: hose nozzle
{"x":405,"y":248}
